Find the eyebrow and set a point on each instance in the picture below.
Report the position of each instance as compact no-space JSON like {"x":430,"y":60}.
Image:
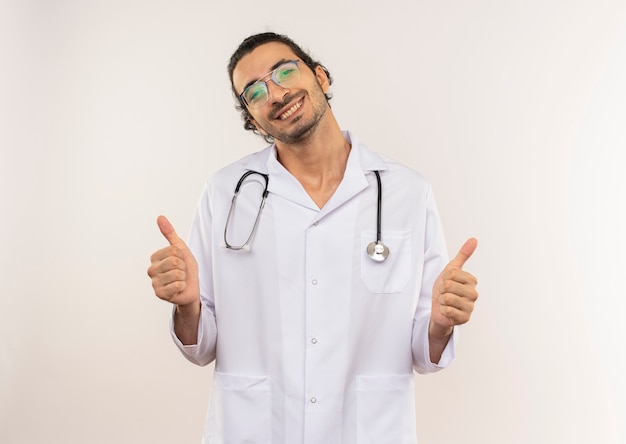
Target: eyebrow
{"x":274,"y":66}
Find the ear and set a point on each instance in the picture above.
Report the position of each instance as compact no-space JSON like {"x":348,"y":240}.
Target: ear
{"x":322,"y":78}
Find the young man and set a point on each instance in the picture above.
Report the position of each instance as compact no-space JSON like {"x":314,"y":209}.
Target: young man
{"x":324,"y":284}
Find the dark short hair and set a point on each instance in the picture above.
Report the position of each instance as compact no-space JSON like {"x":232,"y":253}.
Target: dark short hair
{"x":250,"y":44}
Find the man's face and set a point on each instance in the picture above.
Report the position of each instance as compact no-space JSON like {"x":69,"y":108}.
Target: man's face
{"x":291,"y":114}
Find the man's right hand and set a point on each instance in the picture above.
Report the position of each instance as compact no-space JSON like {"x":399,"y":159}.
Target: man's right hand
{"x":174,"y":270}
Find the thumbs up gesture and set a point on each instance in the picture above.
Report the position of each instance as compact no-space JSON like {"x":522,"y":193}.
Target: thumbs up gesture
{"x":174,"y":270}
{"x":454,"y":293}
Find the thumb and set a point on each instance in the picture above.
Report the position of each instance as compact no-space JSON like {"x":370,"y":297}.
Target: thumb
{"x":464,"y":253}
{"x":168,"y":231}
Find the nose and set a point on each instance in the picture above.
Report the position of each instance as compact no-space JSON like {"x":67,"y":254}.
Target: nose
{"x":276,"y":92}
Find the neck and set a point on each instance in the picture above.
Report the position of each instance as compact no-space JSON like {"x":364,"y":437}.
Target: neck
{"x":318,"y":161}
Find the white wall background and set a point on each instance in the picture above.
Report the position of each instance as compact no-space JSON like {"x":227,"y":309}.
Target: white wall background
{"x":112,"y":112}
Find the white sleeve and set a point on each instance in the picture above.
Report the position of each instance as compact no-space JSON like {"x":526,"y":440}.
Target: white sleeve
{"x":203,"y":351}
{"x":435,"y":259}
{"x":200,"y":244}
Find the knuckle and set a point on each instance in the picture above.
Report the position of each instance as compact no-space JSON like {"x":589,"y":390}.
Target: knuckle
{"x":159,"y":288}
{"x":161,"y":292}
{"x":474,"y":295}
{"x":447,"y":311}
{"x":176,"y":251}
{"x":454,"y":274}
{"x":179,"y":275}
{"x":178,"y":286}
{"x":171,"y":263}
{"x":180,"y":264}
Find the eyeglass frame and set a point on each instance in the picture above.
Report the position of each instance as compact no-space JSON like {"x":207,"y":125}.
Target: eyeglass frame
{"x":272,"y":77}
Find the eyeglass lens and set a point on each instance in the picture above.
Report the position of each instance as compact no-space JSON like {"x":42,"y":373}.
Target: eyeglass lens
{"x":257,"y":94}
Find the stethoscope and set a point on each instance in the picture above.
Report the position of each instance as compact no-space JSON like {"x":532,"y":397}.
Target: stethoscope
{"x":375,"y":250}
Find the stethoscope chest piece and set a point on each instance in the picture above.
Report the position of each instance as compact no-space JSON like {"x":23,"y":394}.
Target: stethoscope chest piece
{"x":377,"y":251}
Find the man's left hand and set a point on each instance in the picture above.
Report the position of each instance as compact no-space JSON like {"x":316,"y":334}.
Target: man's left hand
{"x":454,"y":294}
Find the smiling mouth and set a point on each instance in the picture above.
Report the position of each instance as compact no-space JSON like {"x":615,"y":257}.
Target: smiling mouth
{"x":291,"y":110}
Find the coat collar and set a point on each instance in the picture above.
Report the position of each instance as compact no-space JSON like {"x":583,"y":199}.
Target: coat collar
{"x":360,"y":162}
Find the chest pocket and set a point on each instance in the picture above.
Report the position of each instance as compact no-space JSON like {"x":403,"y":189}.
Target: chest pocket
{"x":392,"y":274}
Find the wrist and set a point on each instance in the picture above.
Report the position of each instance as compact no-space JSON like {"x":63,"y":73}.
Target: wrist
{"x":442,"y":332}
{"x":191,"y":309}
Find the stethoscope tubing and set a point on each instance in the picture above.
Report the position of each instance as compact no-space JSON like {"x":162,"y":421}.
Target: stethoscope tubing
{"x":376,"y":250}
{"x":258,"y":215}
{"x":379,"y":208}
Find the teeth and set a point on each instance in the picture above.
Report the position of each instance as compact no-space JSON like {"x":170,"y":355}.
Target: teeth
{"x":290,"y":111}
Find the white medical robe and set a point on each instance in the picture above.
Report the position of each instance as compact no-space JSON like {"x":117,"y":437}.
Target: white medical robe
{"x":313,"y":341}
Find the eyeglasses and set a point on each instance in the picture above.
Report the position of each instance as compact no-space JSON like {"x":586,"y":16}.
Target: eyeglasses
{"x":257,"y":94}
